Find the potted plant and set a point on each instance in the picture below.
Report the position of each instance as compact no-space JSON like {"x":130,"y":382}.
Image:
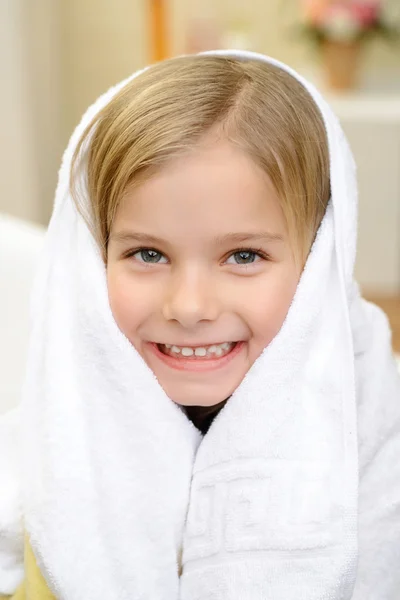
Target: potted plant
{"x":340,"y":29}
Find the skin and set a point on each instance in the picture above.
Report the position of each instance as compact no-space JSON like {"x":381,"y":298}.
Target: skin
{"x":199,"y":291}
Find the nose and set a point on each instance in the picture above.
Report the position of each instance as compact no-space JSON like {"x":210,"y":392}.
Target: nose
{"x":190,"y":298}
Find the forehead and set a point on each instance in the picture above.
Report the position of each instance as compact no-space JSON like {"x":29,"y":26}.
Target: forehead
{"x":212,"y":189}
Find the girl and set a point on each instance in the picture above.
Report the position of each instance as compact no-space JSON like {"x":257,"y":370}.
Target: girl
{"x":210,"y":410}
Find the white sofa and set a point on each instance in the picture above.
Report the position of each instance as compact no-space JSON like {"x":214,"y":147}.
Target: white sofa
{"x":20,"y":245}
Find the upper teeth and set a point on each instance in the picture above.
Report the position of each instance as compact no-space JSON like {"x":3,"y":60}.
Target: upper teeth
{"x":200,"y":351}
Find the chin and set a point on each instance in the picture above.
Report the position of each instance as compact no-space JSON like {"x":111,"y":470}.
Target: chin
{"x":190,"y":397}
{"x":197,"y":401}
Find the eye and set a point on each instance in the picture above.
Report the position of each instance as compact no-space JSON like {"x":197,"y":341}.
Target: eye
{"x":148,"y":256}
{"x":245,"y":257}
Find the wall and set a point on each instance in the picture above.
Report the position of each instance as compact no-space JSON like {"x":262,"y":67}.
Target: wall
{"x":18,"y":181}
{"x":42,"y":45}
{"x":102,"y":43}
{"x":29,"y":107}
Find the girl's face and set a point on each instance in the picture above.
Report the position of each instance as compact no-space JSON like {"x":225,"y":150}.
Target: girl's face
{"x":200,"y":271}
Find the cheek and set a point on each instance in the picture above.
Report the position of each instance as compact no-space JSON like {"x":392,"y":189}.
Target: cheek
{"x":271,"y":305}
{"x":128,"y":306}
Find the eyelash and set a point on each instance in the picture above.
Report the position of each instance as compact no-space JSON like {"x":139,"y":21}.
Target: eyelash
{"x":259,"y":252}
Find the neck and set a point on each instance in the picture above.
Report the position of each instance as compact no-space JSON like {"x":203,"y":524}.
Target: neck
{"x":203,"y":416}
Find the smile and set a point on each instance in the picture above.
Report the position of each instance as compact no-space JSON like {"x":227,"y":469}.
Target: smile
{"x":197,"y":358}
{"x":196,"y":352}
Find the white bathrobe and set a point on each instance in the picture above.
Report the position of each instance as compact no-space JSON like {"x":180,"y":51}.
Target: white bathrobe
{"x":293,"y":494}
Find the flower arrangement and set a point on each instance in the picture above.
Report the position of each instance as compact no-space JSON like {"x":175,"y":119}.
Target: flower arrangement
{"x":345,"y":21}
{"x":339,"y":28}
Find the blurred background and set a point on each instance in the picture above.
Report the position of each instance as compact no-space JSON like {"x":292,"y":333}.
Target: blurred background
{"x":57,"y":56}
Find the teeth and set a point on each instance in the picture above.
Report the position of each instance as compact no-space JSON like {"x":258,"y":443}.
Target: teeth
{"x":186,"y":351}
{"x":200,"y":352}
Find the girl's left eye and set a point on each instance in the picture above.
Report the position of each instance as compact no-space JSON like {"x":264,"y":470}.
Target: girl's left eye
{"x":245,"y":257}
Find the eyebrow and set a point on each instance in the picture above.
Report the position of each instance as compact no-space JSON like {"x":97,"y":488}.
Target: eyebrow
{"x":144,"y":238}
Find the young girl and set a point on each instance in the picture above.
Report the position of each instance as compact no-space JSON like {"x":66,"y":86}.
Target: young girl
{"x":210,"y":411}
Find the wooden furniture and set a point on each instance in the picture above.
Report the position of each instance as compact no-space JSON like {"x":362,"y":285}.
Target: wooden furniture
{"x":391,"y":306}
{"x":158,"y":30}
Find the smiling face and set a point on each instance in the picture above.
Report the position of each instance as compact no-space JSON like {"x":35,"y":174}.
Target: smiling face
{"x":200,"y":271}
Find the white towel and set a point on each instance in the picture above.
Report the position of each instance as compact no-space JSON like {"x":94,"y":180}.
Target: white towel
{"x":122,"y":496}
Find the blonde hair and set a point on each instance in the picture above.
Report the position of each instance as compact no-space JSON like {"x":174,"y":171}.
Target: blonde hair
{"x":170,"y":107}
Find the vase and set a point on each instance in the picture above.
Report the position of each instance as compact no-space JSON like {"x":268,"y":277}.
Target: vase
{"x":341,"y":64}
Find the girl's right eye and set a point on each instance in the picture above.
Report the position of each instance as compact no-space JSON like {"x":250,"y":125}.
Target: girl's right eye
{"x":148,"y":256}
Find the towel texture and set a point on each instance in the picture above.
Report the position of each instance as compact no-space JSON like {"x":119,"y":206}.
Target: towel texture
{"x":294,"y":493}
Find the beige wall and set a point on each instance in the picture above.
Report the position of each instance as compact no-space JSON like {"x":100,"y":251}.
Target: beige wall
{"x":18,"y":175}
{"x":44,"y":75}
{"x":56,"y":57}
{"x":29,"y":107}
{"x":102,"y":43}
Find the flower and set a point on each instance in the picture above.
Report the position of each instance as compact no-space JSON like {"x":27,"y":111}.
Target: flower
{"x":314,"y":10}
{"x":366,"y":13}
{"x":345,"y":20}
{"x":340,"y":23}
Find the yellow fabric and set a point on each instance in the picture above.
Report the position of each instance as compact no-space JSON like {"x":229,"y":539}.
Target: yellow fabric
{"x":34,"y":586}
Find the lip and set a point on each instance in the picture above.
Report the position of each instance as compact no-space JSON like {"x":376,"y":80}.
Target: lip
{"x":205,"y":364}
